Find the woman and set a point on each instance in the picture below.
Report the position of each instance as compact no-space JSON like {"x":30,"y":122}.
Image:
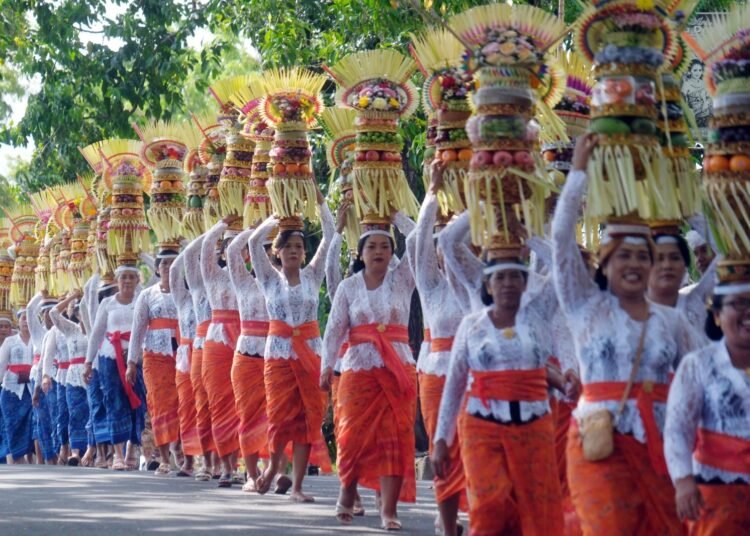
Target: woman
{"x":153,"y":345}
{"x":247,"y":368}
{"x":498,"y":361}
{"x":109,"y":341}
{"x":707,"y":434}
{"x":443,"y":315}
{"x":6,"y":330}
{"x":16,"y":358}
{"x":55,"y":364}
{"x":218,"y":351}
{"x":377,"y":388}
{"x":191,"y":444}
{"x":665,"y":281}
{"x":619,"y":334}
{"x":294,"y":404}
{"x":75,"y":392}
{"x":202,"y":309}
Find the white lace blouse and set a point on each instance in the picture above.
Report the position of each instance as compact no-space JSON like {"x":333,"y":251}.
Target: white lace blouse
{"x":221,"y":295}
{"x":185,"y":311}
{"x":354,"y":305}
{"x":194,"y":278}
{"x":151,"y":304}
{"x":606,"y":337}
{"x":14,"y":352}
{"x":707,"y":392}
{"x":37,"y":331}
{"x":77,"y":343}
{"x":111,"y":317}
{"x":480,"y":346}
{"x":692,"y":299}
{"x":294,"y":305}
{"x":440,"y":306}
{"x":250,"y":298}
{"x":55,"y":352}
{"x":463,"y":269}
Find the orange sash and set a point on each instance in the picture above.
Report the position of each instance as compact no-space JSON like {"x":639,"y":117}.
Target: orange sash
{"x":723,"y":451}
{"x":202,"y":329}
{"x":645,"y":394}
{"x":116,"y":339}
{"x":383,"y":336}
{"x":441,"y":344}
{"x":254,"y":328}
{"x":510,"y":385}
{"x":165,"y":323}
{"x":230,"y":318}
{"x":299,"y":336}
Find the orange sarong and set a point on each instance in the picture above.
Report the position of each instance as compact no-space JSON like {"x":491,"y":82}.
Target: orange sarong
{"x":191,"y":443}
{"x":376,"y":429}
{"x":562,"y":412}
{"x":726,"y":511}
{"x":202,"y":412}
{"x":161,"y":397}
{"x":621,"y":494}
{"x":511,"y":479}
{"x":217,"y":379}
{"x":250,"y":401}
{"x":430,"y":394}
{"x":295,"y":405}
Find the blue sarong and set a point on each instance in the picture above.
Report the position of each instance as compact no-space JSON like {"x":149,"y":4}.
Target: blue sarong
{"x":4,"y":451}
{"x":124,"y":423}
{"x":17,"y":416}
{"x":44,"y":426}
{"x":78,"y":410}
{"x":63,"y":417}
{"x":52,"y":409}
{"x":98,"y":426}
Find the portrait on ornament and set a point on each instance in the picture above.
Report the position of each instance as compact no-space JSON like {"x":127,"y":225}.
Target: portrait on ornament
{"x":693,"y":85}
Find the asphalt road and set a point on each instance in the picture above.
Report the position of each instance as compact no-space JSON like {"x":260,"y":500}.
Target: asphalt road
{"x":62,"y":501}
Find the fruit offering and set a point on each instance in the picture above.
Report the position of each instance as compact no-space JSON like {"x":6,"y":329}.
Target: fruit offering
{"x":257,"y":200}
{"x":128,"y":230}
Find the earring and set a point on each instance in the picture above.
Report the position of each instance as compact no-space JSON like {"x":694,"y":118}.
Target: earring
{"x":717,"y":321}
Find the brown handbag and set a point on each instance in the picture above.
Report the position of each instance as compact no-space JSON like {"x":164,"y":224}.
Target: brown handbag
{"x":597,"y":430}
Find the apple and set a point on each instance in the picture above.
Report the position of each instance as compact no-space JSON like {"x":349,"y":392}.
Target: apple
{"x":361,"y":156}
{"x":502,"y":158}
{"x":372,"y":156}
{"x":522,"y":158}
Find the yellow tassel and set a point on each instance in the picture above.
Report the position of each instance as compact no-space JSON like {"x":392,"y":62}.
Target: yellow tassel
{"x":383,"y":191}
{"x":290,"y":197}
{"x":211,"y":212}
{"x":166,"y":222}
{"x":231,"y":197}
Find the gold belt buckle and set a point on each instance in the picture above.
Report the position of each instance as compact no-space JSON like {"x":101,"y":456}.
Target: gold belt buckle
{"x":381,"y":328}
{"x":647,"y":386}
{"x":296,"y":332}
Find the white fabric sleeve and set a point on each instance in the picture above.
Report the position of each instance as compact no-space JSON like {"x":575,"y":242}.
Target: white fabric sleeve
{"x":572,"y":280}
{"x":684,"y":407}
{"x":138,"y":330}
{"x":333,"y":266}
{"x":455,"y":387}
{"x":98,"y":332}
{"x":463,"y":268}
{"x":705,"y":287}
{"x":4,"y":360}
{"x":688,"y":339}
{"x":180,"y":294}
{"x":67,"y":327}
{"x":264,"y":270}
{"x":328,"y":228}
{"x":337,"y":329}
{"x":700,"y":225}
{"x":402,"y":273}
{"x":84,"y":304}
{"x":48,"y":354}
{"x":426,"y":269}
{"x":238,"y":272}
{"x":36,"y":328}
{"x":209,"y":260}
{"x":193,"y":274}
{"x":542,"y":250}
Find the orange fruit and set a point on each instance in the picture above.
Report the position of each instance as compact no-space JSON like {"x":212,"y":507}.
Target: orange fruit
{"x":279,"y":168}
{"x":449,"y":155}
{"x":549,"y":156}
{"x":717,"y":163}
{"x":465,"y":154}
{"x":304,"y":169}
{"x":292,"y":169}
{"x":739,"y":162}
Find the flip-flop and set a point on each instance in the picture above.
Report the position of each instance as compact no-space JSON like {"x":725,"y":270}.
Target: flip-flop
{"x":358,"y":510}
{"x":344,"y":515}
{"x":391,"y":525}
{"x":119,"y":465}
{"x":163,"y":470}
{"x":185,"y":473}
{"x":238,"y":479}
{"x":225,"y":481}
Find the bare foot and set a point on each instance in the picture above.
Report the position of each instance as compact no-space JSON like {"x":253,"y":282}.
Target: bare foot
{"x":299,"y":497}
{"x":283,"y":483}
{"x":249,"y":486}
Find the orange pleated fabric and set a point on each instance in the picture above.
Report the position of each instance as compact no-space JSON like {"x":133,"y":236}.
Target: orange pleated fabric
{"x":295,"y":406}
{"x":621,"y":494}
{"x":217,"y":379}
{"x":376,"y":429}
{"x":511,"y":477}
{"x":430,"y":394}
{"x":334,"y":404}
{"x":562,"y":412}
{"x":191,"y":442}
{"x":727,"y":511}
{"x":202,"y":413}
{"x":250,"y":401}
{"x":161,"y":396}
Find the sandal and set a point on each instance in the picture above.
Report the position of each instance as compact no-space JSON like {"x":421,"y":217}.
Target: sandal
{"x":344,"y":514}
{"x":132,"y":464}
{"x":118,"y":464}
{"x":184,"y":473}
{"x":237,"y":478}
{"x":390,"y":525}
{"x":358,"y":510}
{"x":163,"y":470}
{"x":283,"y":483}
{"x":202,"y":476}
{"x":225,"y":481}
{"x":249,"y":486}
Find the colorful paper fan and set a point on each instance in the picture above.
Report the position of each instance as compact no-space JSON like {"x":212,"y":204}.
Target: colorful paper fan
{"x":543,"y":27}
{"x":579,"y":76}
{"x":292,"y":95}
{"x":358,"y":73}
{"x":434,"y":51}
{"x":162,"y":141}
{"x":338,"y":124}
{"x":212,"y":138}
{"x":118,"y":149}
{"x":248,"y":99}
{"x":594,"y":26}
{"x":22,"y":221}
{"x":225,"y":90}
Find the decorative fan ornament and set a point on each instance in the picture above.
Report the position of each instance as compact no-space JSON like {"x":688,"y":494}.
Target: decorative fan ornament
{"x":22,"y":226}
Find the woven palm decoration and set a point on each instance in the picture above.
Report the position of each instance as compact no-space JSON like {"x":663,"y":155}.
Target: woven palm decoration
{"x":724,"y":46}
{"x":339,"y":127}
{"x":43,"y":204}
{"x":6,"y":270}
{"x":629,"y":42}
{"x":257,"y":203}
{"x":193,"y":222}
{"x":235,"y":173}
{"x":445,"y":96}
{"x":211,"y":152}
{"x":22,"y":234}
{"x":163,"y":151}
{"x":507,"y":57}
{"x":375,"y":83}
{"x":78,"y":216}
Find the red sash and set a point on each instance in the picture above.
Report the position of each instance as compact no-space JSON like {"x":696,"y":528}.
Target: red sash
{"x":299,"y":336}
{"x":723,"y":451}
{"x":65,"y":365}
{"x":645,"y":394}
{"x":116,"y":339}
{"x":78,"y":361}
{"x":441,"y":344}
{"x":510,"y":385}
{"x":37,"y":359}
{"x":254,"y":328}
{"x":230,"y":319}
{"x":19,"y":368}
{"x":202,"y":329}
{"x":383,"y":336}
